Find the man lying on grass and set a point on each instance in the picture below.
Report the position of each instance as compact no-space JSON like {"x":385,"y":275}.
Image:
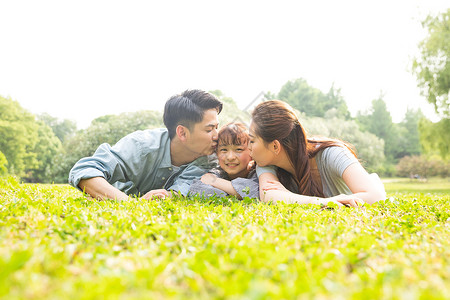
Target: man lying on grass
{"x":148,"y":163}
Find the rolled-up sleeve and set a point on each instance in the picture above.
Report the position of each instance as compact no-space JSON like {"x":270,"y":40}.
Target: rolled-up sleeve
{"x":115,"y":164}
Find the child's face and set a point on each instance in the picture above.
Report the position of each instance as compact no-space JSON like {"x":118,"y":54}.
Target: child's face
{"x":234,"y":159}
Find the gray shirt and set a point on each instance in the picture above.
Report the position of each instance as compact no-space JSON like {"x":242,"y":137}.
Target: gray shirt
{"x":331,"y":163}
{"x":140,"y":162}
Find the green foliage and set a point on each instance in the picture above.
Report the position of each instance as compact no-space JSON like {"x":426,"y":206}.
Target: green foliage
{"x":46,"y":149}
{"x":400,"y":139}
{"x":18,"y":136}
{"x":54,"y":243}
{"x":435,"y":137}
{"x":62,"y":129}
{"x":106,"y":129}
{"x":432,"y":67}
{"x":311,"y":101}
{"x":422,"y":166}
{"x":3,"y":164}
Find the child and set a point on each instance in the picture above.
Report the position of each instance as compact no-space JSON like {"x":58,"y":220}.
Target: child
{"x":236,"y":175}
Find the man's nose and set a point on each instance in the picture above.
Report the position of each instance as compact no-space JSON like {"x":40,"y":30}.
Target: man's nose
{"x":215,"y":134}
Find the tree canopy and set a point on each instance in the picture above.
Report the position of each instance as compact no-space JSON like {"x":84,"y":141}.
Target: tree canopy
{"x":432,"y":67}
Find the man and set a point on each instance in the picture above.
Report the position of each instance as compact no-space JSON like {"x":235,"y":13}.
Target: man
{"x":151,"y":162}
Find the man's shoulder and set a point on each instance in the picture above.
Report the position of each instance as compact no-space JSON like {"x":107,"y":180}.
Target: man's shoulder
{"x":150,"y":138}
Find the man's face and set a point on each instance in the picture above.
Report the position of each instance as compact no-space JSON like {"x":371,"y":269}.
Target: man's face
{"x":202,"y":139}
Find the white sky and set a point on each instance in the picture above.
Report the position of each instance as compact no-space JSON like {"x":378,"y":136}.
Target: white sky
{"x":83,"y":59}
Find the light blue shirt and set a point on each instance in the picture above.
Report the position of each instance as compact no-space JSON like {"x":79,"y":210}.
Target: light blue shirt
{"x":140,"y":162}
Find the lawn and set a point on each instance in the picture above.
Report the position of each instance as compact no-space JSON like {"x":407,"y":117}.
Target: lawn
{"x":54,"y":243}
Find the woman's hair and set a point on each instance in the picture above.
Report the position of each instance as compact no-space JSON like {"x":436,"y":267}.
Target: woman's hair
{"x":276,"y":120}
{"x":188,"y":108}
{"x":233,"y":134}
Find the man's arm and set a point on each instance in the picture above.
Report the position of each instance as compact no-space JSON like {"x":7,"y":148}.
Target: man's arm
{"x":99,"y":188}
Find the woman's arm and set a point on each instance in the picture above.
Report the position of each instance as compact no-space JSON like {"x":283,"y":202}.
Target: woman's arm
{"x":271,"y":190}
{"x":364,"y":186}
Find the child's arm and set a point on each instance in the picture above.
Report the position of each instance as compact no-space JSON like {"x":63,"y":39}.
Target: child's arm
{"x":220,"y":183}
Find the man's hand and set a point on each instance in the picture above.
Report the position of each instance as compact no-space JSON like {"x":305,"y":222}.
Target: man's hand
{"x":156,"y":194}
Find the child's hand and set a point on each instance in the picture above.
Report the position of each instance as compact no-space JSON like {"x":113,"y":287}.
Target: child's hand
{"x":208,"y":178}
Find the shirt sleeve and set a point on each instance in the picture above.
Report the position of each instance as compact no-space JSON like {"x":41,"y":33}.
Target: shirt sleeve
{"x":181,"y":182}
{"x":246,"y":187}
{"x":266,"y":169}
{"x":205,"y":190}
{"x":115,"y":164}
{"x":337,"y":159}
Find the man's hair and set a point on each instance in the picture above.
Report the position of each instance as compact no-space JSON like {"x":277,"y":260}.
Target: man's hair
{"x":188,"y":108}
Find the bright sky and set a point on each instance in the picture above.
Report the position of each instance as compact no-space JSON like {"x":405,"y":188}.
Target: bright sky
{"x":83,"y":59}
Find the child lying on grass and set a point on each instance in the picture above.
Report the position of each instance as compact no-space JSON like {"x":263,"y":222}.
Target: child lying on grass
{"x":236,"y":175}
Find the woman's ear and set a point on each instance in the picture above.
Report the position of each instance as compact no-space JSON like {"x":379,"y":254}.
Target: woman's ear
{"x":182,"y":132}
{"x":275,"y":147}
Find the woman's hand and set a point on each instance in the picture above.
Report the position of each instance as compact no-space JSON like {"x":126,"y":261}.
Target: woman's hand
{"x":343,"y":200}
{"x":274,"y":185}
{"x":208,"y":178}
{"x":158,"y":194}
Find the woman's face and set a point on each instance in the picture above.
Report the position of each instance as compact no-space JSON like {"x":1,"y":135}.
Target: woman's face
{"x":234,"y":160}
{"x":258,"y":149}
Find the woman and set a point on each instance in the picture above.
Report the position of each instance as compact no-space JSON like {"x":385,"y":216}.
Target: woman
{"x":296,"y":169}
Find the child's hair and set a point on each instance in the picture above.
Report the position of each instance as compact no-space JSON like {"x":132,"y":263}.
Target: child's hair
{"x":233,"y":134}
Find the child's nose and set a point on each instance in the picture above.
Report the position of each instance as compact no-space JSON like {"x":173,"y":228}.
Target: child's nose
{"x":231,"y":155}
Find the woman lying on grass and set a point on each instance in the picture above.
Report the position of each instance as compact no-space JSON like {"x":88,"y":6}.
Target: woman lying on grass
{"x":296,"y":169}
{"x":236,"y":175}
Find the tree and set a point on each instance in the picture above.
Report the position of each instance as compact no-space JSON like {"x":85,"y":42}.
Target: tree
{"x":46,"y":148}
{"x":412,"y":166}
{"x":378,"y":121}
{"x":435,"y":137}
{"x":311,"y":101}
{"x":3,"y":164}
{"x":411,"y":124}
{"x":432,"y":67}
{"x":18,"y":136}
{"x":62,"y":129}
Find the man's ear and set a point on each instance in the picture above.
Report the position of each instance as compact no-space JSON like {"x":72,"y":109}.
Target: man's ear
{"x":275,"y":147}
{"x":182,"y":132}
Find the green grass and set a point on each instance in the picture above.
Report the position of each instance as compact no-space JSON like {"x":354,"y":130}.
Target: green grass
{"x":54,"y":243}
{"x":406,"y":185}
